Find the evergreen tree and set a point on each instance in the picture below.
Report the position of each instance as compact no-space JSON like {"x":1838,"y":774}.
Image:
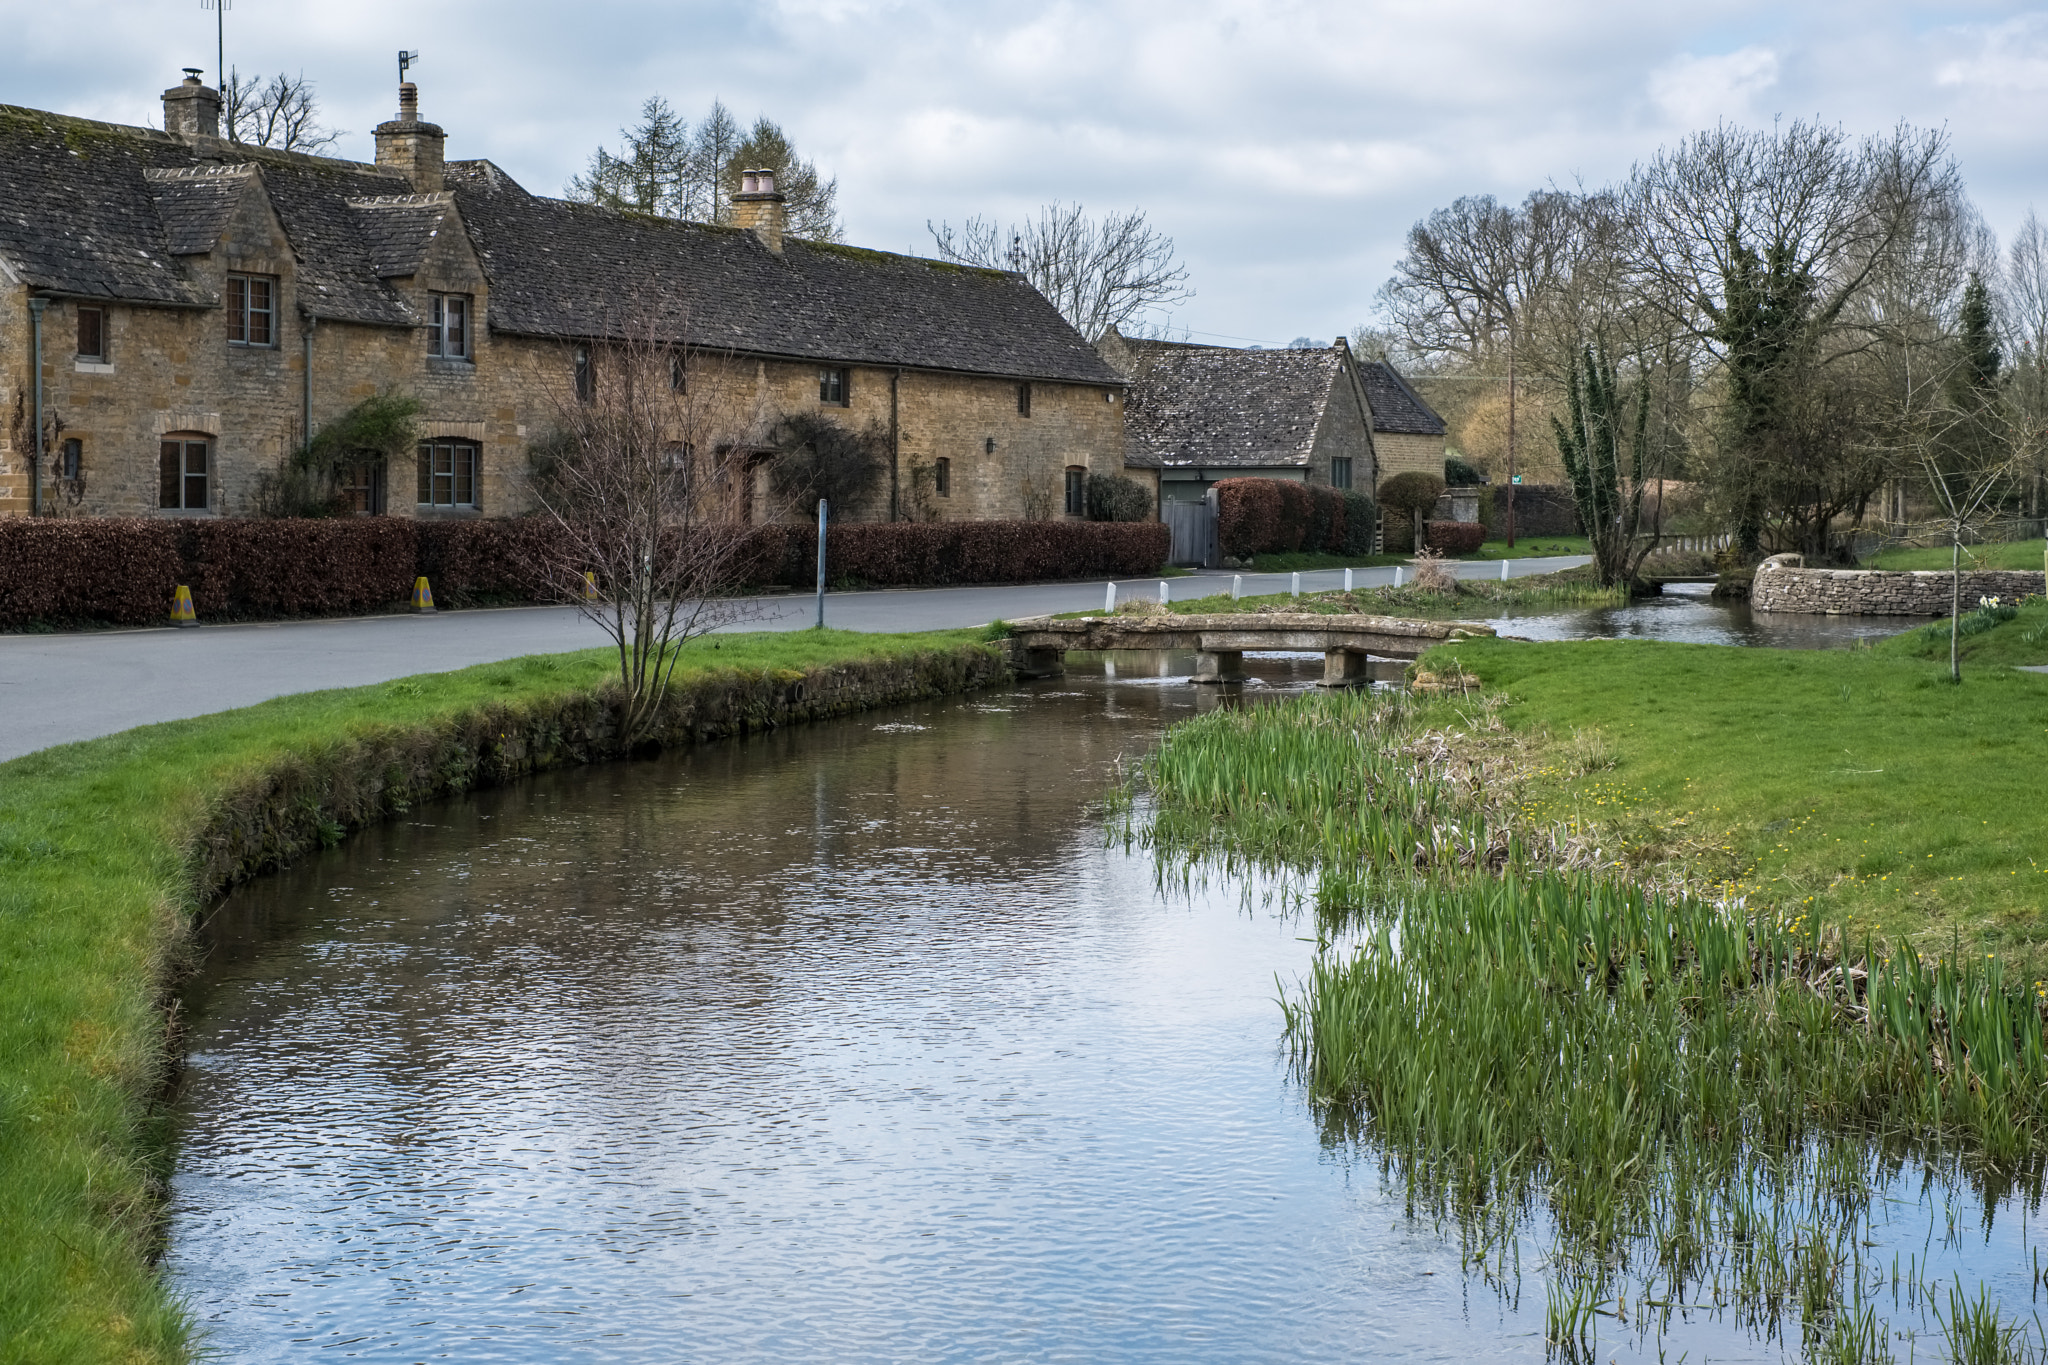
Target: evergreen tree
{"x":651,"y":174}
{"x":813,"y":204}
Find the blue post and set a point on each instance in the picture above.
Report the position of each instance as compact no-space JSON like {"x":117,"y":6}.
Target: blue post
{"x":821,"y":563}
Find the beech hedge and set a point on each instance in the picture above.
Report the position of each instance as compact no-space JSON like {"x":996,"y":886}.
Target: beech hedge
{"x":123,"y":571}
{"x":1541,"y":509}
{"x":1453,"y":537}
{"x":1282,"y":516}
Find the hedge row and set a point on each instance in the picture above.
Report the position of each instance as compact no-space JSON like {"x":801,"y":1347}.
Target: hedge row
{"x":123,"y":572}
{"x":1280,"y":516}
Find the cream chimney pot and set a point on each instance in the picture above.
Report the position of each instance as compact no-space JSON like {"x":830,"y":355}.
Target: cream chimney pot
{"x":760,"y":208}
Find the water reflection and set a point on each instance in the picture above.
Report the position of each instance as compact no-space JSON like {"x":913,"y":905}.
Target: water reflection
{"x":1685,"y":614}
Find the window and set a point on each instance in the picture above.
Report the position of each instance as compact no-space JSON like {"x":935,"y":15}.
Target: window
{"x":92,"y":334}
{"x":72,"y":463}
{"x":361,"y":487}
{"x":448,"y":326}
{"x":182,"y":467}
{"x":1023,"y":400}
{"x":678,"y":379}
{"x":252,"y":310}
{"x":586,"y":376}
{"x":1077,"y":491}
{"x":448,"y":473}
{"x":1340,"y":471}
{"x":832,"y":386}
{"x":942,"y":477}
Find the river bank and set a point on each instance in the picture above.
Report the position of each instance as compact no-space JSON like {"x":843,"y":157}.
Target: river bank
{"x":111,"y":846}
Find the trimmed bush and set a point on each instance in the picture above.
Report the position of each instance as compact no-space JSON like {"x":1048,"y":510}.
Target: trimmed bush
{"x":1453,"y":537}
{"x":1282,"y":516}
{"x":1112,"y":497}
{"x":478,"y":562}
{"x":239,"y":567}
{"x":1458,"y":473}
{"x":99,"y":569}
{"x":943,"y":553}
{"x":1361,"y":519}
{"x":1407,"y":499}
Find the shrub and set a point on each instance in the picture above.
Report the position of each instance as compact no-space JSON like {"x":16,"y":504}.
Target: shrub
{"x":1281,"y":516}
{"x":1112,"y":497}
{"x":1453,"y":537}
{"x":1460,"y":474}
{"x":99,"y":569}
{"x":1541,"y":509}
{"x":478,"y":562}
{"x":816,"y":457}
{"x":1407,"y":498}
{"x":1361,"y":519}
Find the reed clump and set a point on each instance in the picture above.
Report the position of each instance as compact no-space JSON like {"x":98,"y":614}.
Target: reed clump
{"x":1699,"y":1099}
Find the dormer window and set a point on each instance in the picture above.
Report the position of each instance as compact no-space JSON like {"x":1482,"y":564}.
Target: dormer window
{"x":252,"y":310}
{"x":448,"y":326}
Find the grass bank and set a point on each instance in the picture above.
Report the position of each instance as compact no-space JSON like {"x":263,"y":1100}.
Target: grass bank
{"x":2016,"y":554}
{"x":1472,"y":597}
{"x":2013,"y":634}
{"x":108,"y":847}
{"x":1693,"y":1101}
{"x":1526,"y":547}
{"x":1855,"y":785}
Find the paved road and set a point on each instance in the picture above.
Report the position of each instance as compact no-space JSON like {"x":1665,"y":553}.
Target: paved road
{"x":58,"y":688}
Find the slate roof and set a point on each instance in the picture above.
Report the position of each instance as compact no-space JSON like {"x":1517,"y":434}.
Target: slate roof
{"x":560,"y":269}
{"x":1396,"y":409}
{"x":1216,"y":407}
{"x":195,"y":203}
{"x":105,"y":211}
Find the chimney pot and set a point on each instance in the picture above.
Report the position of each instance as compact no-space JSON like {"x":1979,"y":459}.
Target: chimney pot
{"x":410,"y":147}
{"x":760,"y":208}
{"x":192,"y":108}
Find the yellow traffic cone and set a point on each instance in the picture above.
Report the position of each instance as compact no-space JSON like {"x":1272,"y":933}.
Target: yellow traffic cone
{"x":422,"y":594}
{"x":181,"y":607}
{"x":589,"y":586}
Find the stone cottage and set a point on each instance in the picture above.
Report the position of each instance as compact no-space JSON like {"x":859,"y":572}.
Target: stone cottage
{"x":1406,"y":432}
{"x":1199,"y":414}
{"x":178,"y":311}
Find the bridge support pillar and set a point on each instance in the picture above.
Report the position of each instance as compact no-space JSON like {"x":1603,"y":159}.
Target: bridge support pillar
{"x":1040,"y":663}
{"x":1219,"y":666}
{"x":1344,"y":668}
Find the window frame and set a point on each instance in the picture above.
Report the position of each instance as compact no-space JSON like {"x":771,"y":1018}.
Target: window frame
{"x":1024,"y":399}
{"x":99,"y":326}
{"x":1077,"y":490}
{"x":71,"y":458}
{"x":586,"y":375}
{"x":839,"y":378}
{"x":1340,"y":471}
{"x":177,"y":481}
{"x":942,"y":477}
{"x":430,"y":475}
{"x":238,"y":298}
{"x":440,"y":307}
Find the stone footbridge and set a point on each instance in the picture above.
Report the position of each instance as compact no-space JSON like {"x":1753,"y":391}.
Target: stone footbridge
{"x":1039,"y":644}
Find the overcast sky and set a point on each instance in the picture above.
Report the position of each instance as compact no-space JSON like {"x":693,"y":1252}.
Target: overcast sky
{"x":1285,"y":147}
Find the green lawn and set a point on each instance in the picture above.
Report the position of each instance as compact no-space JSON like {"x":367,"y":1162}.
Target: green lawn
{"x":2018,"y":554}
{"x":2023,"y":640}
{"x":96,"y":884}
{"x":1526,"y":547}
{"x":1852,"y":782}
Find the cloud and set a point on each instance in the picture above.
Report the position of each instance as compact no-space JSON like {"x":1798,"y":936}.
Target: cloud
{"x":1697,"y":92}
{"x":2012,"y":56}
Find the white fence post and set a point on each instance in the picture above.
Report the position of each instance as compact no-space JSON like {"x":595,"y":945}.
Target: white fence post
{"x":1162,"y":592}
{"x":1503,"y":571}
{"x":1294,"y":585}
{"x":1397,"y":575}
{"x":1347,"y":580}
{"x":1109,"y":600}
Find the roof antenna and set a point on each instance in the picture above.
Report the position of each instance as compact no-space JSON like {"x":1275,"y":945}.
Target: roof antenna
{"x":220,"y":9}
{"x":405,"y":59}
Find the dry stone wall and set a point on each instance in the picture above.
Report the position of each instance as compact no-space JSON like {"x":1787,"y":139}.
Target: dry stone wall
{"x":1880,"y":592}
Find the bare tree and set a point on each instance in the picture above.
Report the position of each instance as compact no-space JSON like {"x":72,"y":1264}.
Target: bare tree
{"x":279,"y":112}
{"x":2024,"y":312}
{"x":644,"y":489}
{"x":1099,"y":273}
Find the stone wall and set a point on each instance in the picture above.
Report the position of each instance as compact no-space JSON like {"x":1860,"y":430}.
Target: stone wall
{"x":1399,"y":454}
{"x":1878,"y":592}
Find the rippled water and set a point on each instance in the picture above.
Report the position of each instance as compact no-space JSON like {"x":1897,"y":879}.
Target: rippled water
{"x":1684,"y":613}
{"x":849,"y":1043}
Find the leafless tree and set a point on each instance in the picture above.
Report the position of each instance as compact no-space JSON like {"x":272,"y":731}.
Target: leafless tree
{"x":2024,"y":311}
{"x":1099,"y":273}
{"x":1969,"y":463}
{"x":645,"y":490}
{"x":279,"y":112}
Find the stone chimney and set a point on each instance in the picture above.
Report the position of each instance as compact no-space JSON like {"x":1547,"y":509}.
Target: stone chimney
{"x":192,"y":109}
{"x":410,"y":147}
{"x":759,"y":207}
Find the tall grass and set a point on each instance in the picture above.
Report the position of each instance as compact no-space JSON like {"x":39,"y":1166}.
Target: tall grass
{"x":1697,"y":1099}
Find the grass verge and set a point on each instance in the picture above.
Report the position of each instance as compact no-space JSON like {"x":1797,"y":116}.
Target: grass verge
{"x":107,"y":847}
{"x":2015,"y":554}
{"x":1526,"y":547}
{"x":1473,"y":597}
{"x":2012,"y":635}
